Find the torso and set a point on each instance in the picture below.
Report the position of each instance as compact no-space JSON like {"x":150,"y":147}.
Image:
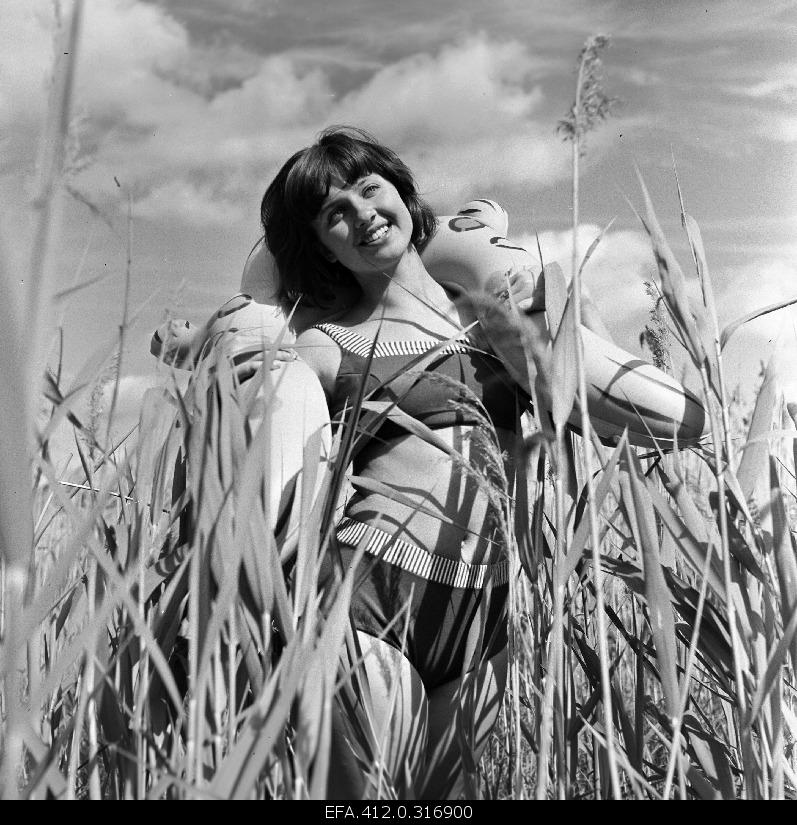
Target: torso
{"x":453,"y":506}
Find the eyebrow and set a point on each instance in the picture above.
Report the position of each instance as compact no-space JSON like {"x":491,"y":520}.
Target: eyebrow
{"x":328,"y":204}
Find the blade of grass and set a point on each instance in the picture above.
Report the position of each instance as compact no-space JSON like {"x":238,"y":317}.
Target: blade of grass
{"x":731,"y":328}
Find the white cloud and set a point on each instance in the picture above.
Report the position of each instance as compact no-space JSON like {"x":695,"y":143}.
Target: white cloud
{"x":782,"y":128}
{"x":642,"y":77}
{"x":125,"y":48}
{"x":154,"y":128}
{"x":467,"y":90}
{"x":779,"y":84}
{"x":755,"y":285}
{"x":141,"y":117}
{"x":623,"y":261}
{"x":741,"y":290}
{"x":776,"y":94}
{"x":200,"y":206}
{"x":463,"y":117}
{"x":528,"y":156}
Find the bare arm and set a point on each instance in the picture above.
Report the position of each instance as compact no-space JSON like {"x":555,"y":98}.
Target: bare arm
{"x":322,"y":355}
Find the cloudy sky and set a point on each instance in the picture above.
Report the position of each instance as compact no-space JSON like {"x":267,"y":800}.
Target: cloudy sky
{"x":191,"y":106}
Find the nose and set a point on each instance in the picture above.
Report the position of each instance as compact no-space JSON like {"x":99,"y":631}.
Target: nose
{"x":365,"y":213}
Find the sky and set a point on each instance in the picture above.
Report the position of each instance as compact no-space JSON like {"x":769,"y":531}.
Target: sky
{"x":185,"y":109}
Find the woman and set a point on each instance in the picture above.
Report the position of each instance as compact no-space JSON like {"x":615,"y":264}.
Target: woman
{"x":432,"y":478}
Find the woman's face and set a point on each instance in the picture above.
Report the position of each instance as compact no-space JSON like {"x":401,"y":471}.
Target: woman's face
{"x":364,"y":225}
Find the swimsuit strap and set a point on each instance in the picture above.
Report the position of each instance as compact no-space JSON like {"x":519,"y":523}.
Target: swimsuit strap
{"x":352,"y":341}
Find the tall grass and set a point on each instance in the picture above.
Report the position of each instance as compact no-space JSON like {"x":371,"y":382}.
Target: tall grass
{"x":590,"y":106}
{"x":163,"y":633}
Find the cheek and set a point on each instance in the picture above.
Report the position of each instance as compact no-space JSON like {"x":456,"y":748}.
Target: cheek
{"x":336,"y":237}
{"x":333,"y":243}
{"x":326,"y":234}
{"x":404,"y":212}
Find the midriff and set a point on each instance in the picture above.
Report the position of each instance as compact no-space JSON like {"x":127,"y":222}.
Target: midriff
{"x":451,"y":505}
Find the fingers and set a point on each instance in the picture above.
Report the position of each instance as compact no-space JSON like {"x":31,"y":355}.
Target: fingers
{"x":287,"y":354}
{"x":527,"y":290}
{"x":524,"y":274}
{"x":245,"y":369}
{"x":284,"y":356}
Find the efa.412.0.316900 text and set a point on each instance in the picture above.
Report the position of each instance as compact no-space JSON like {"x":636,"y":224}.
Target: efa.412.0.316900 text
{"x":393,"y":810}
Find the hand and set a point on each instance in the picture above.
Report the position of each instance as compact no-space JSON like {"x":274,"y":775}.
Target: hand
{"x":248,"y":361}
{"x":526,"y":288}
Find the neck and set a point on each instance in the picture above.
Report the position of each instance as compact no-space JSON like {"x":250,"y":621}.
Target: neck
{"x":402,"y":286}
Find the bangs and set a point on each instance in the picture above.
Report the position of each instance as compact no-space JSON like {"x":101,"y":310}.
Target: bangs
{"x":308,"y":182}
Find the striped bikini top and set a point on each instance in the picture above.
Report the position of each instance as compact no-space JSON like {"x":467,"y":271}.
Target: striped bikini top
{"x":440,"y":386}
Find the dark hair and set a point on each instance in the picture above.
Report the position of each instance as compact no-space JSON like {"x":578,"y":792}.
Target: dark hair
{"x":294,"y":199}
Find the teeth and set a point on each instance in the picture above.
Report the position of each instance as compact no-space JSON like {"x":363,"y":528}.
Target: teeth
{"x":375,"y":235}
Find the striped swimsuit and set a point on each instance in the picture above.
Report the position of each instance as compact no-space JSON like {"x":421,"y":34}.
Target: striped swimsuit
{"x":425,"y":604}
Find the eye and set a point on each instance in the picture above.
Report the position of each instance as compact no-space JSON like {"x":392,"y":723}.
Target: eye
{"x":370,"y":188}
{"x":334,"y":215}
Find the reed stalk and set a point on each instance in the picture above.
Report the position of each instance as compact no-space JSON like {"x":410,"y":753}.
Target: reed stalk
{"x":591,"y":105}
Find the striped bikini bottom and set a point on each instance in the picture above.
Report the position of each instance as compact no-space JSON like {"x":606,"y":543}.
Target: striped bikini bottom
{"x":446,"y":616}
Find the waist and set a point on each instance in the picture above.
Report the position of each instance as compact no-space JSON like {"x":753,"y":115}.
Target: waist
{"x":433,"y":458}
{"x":451,"y":498}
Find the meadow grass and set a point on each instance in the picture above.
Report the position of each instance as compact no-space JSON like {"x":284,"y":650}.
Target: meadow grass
{"x":164,"y":636}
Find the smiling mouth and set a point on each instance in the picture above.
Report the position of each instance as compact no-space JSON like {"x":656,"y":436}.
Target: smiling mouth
{"x":375,"y":235}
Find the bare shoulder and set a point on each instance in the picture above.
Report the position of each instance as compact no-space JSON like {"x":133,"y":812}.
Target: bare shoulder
{"x":321,"y":354}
